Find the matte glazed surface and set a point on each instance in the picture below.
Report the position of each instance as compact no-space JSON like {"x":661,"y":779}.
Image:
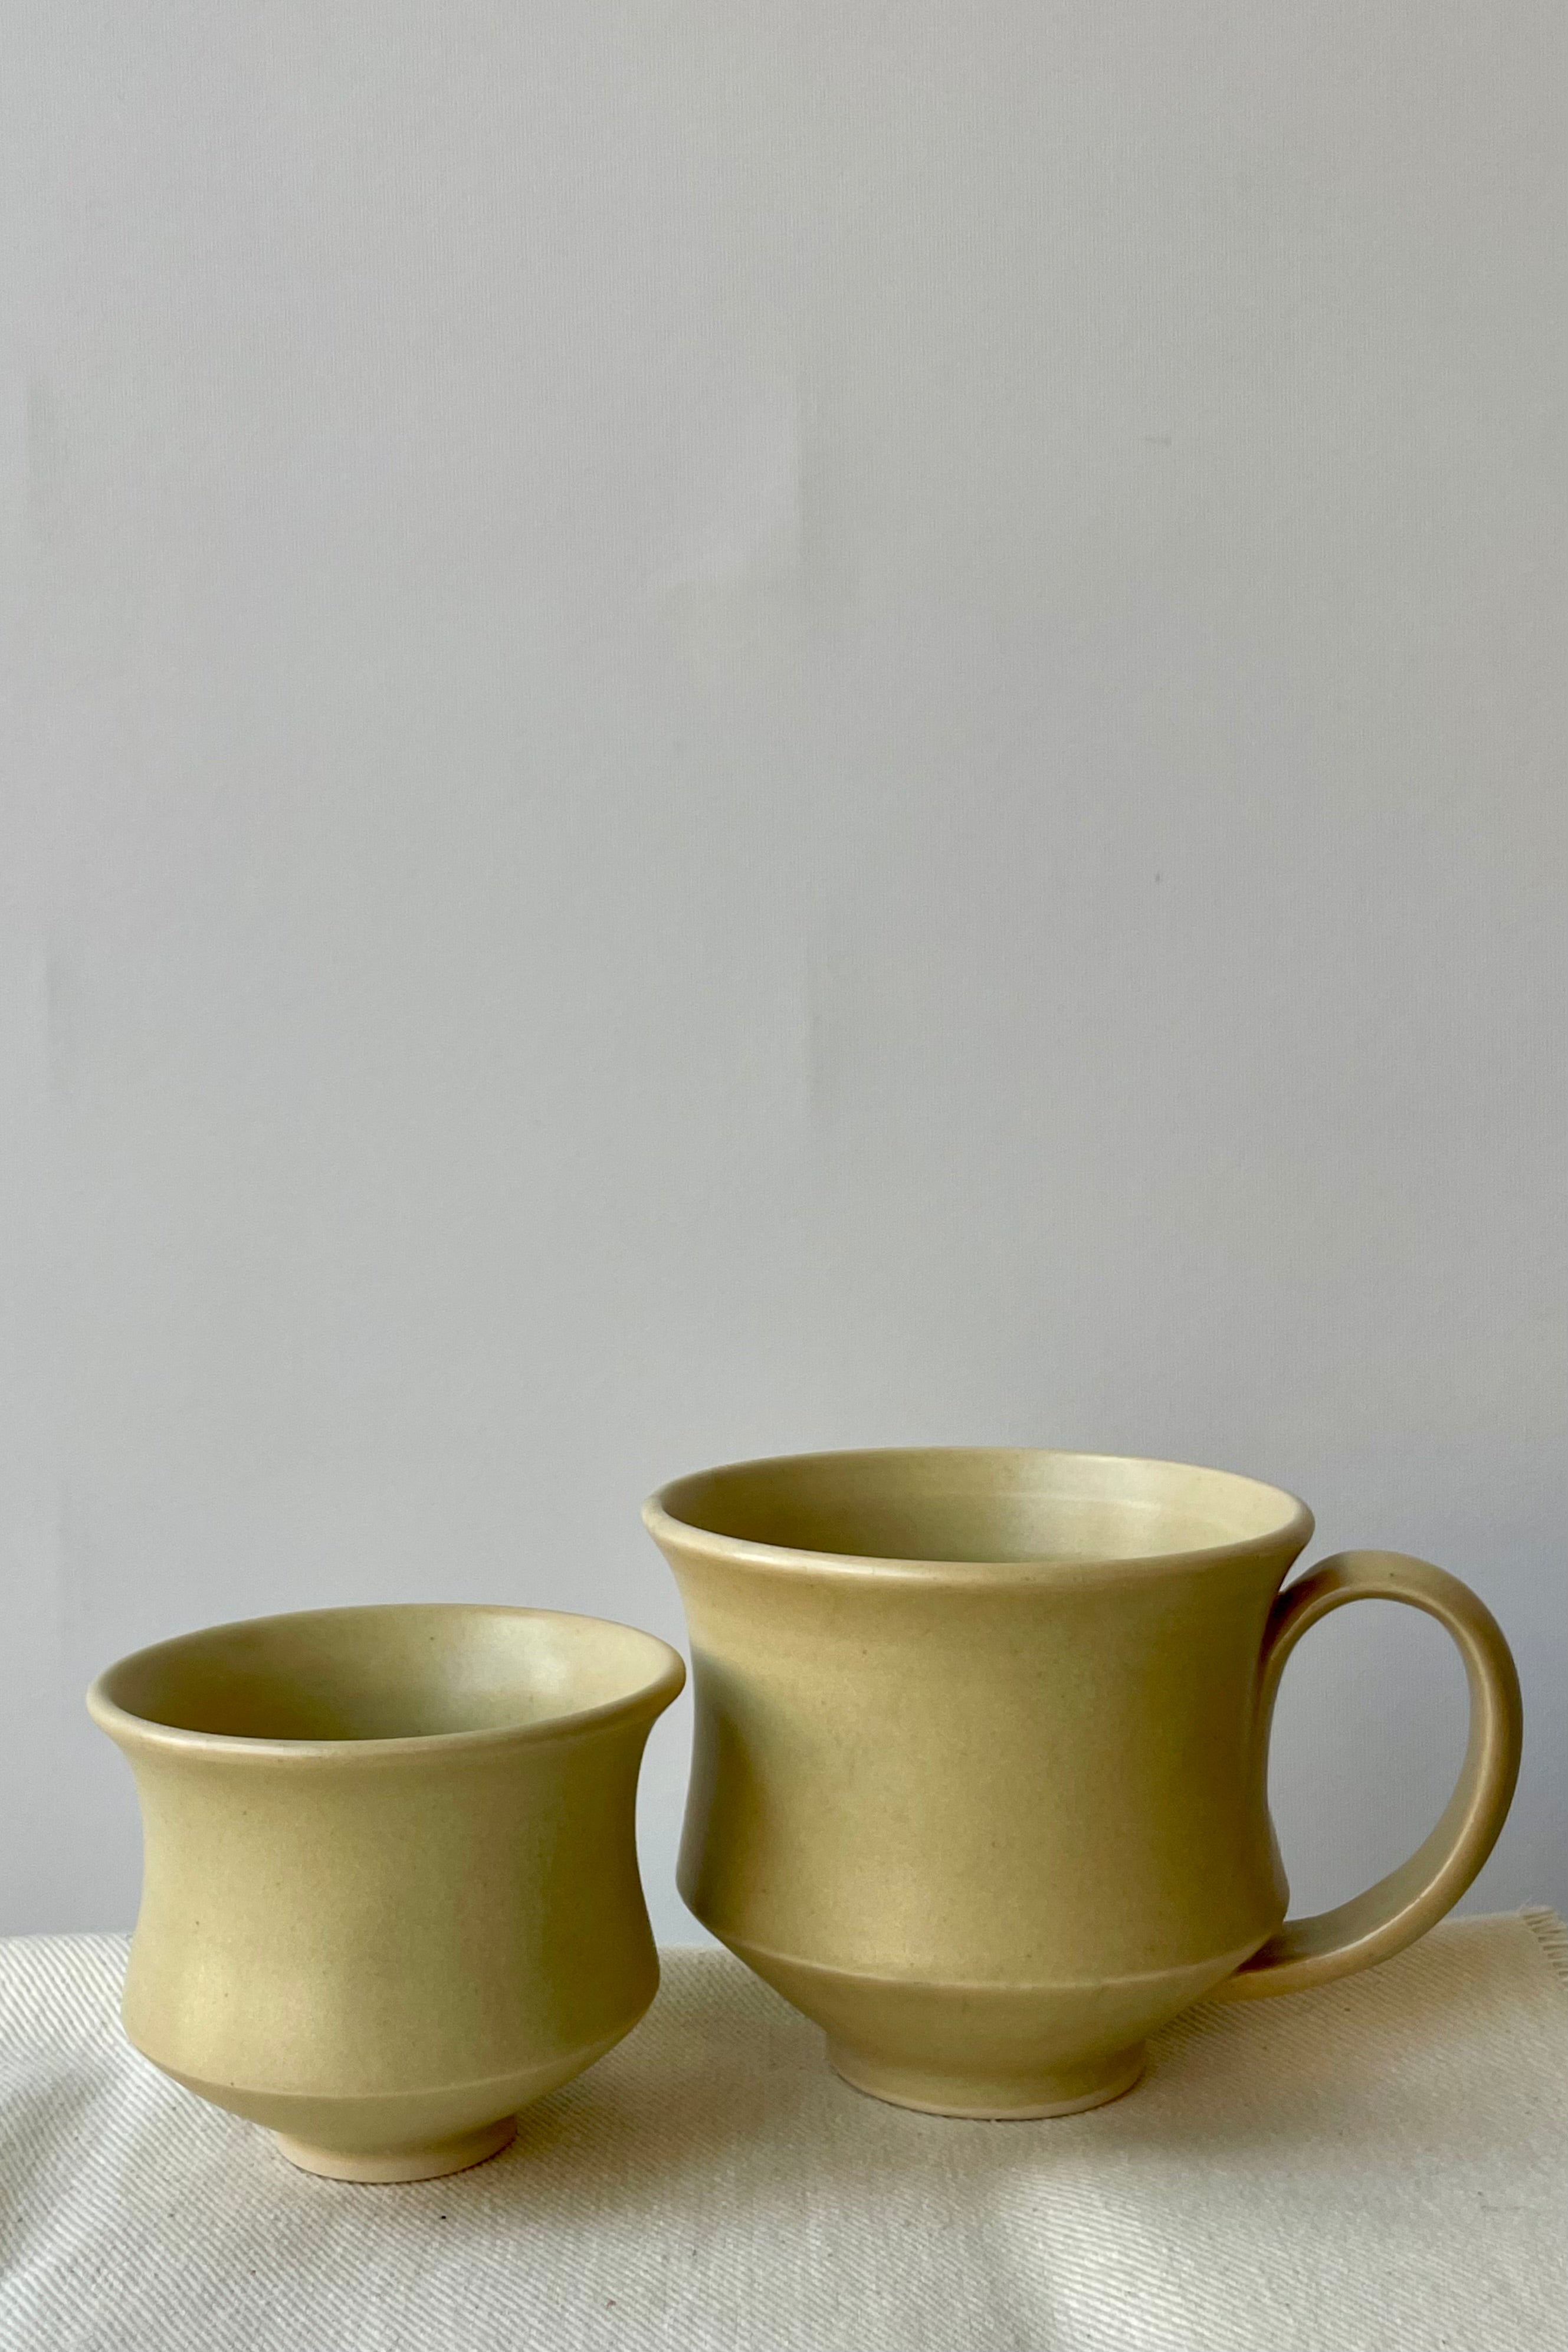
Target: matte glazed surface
{"x":390,"y":1892}
{"x":980,"y":1774}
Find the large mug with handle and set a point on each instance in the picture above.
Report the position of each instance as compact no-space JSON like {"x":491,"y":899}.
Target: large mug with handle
{"x":981,"y":1762}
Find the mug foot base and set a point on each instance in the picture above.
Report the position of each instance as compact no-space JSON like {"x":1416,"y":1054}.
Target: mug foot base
{"x":430,"y":2163}
{"x":984,"y":2100}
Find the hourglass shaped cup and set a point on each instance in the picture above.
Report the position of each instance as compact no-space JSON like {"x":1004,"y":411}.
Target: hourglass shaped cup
{"x":980,"y":1780}
{"x":391,"y":1890}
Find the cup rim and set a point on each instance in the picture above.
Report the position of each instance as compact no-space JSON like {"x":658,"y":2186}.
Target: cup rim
{"x":662,"y":1518}
{"x":127,"y":1728}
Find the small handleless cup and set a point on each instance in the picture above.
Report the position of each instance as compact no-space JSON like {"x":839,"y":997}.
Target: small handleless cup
{"x":390,"y":1892}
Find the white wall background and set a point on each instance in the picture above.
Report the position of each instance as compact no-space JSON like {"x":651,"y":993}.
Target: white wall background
{"x":741,"y":726}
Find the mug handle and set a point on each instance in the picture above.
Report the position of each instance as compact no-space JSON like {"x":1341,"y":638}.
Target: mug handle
{"x":1402,"y":1906}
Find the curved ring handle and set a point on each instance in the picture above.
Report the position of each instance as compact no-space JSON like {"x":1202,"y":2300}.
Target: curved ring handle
{"x":1402,"y":1906}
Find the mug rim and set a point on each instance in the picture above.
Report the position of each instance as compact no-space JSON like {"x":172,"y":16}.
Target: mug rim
{"x":662,"y":1516}
{"x":127,"y":1728}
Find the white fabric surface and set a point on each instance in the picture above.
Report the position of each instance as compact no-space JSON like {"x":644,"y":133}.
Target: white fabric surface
{"x":1380,"y":2165}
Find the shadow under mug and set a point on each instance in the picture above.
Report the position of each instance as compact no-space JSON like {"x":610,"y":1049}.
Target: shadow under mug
{"x":980,"y":1776}
{"x":390,"y":1891}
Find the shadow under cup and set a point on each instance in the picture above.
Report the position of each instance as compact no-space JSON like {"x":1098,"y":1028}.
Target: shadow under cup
{"x":391,"y":1892}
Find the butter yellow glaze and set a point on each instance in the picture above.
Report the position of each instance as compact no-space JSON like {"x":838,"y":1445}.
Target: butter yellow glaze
{"x":980,"y":1773}
{"x":391,"y":1890}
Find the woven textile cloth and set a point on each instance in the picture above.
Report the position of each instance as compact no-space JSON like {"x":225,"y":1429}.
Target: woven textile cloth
{"x":1380,"y":2165}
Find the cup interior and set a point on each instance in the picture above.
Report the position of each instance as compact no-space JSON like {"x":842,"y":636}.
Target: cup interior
{"x":395,"y":1673}
{"x":986,"y":1505}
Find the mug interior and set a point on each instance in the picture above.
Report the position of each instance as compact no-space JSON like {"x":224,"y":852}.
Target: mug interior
{"x":1012,"y":1506}
{"x":395,"y":1673}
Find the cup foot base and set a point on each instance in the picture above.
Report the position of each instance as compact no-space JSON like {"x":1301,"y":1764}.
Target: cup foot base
{"x":429,"y":2163}
{"x":988,"y":2100}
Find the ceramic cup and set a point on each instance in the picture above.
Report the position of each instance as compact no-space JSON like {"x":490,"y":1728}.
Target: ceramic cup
{"x":390,"y":1891}
{"x":980,"y":1773}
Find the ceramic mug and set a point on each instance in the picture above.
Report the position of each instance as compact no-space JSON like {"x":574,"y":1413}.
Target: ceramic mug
{"x":980,"y":1773}
{"x":390,"y":1891}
